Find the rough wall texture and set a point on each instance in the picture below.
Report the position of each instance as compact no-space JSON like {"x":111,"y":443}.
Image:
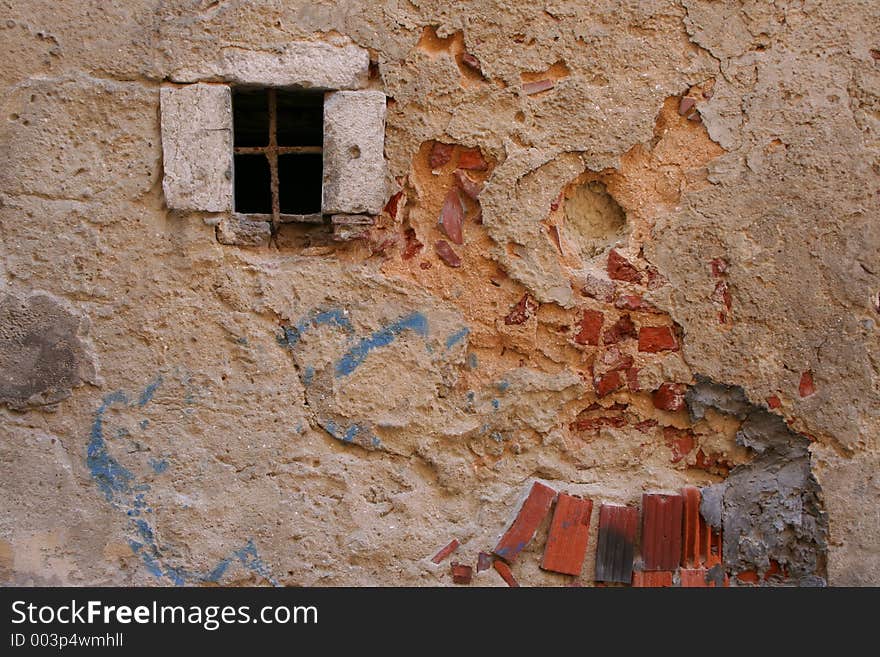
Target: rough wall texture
{"x":631,"y":196}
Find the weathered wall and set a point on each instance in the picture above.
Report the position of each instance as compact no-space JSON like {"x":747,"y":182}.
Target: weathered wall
{"x":316,"y":412}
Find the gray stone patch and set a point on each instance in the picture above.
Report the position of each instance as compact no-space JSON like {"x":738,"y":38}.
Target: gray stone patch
{"x":42,"y":353}
{"x":197,"y":147}
{"x":300,"y":63}
{"x":241,"y":230}
{"x":354,"y":152}
{"x":771,"y":508}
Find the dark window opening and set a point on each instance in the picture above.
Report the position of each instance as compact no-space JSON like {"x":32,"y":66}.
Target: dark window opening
{"x":278,"y":143}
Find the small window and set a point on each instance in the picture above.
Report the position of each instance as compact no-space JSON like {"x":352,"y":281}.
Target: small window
{"x":278,"y":152}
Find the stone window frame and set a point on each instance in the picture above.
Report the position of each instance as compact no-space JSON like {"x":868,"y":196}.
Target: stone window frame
{"x":197,"y":136}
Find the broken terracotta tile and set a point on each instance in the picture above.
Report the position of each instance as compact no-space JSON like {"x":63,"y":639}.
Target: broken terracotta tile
{"x":521,"y":311}
{"x":643,"y":579}
{"x":470,"y":187}
{"x":504,"y":570}
{"x":653,"y":339}
{"x":471,"y":62}
{"x":536,"y":87}
{"x":632,"y":379}
{"x":622,"y":329}
{"x":669,"y":397}
{"x":452,"y":217}
{"x":413,"y":245}
{"x":526,"y":523}
{"x":569,"y":530}
{"x":636,"y":303}
{"x":807,"y":387}
{"x":680,"y":441}
{"x":619,"y":268}
{"x":393,"y":204}
{"x":472,"y":159}
{"x":484,"y":561}
{"x":719,"y":266}
{"x":691,"y":578}
{"x":695,"y":542}
{"x":590,"y":325}
{"x":773,"y":402}
{"x":446,"y":551}
{"x":440,"y":154}
{"x":661,"y":531}
{"x":461,"y":574}
{"x":614,"y":548}
{"x":608,"y":383}
{"x":446,"y":254}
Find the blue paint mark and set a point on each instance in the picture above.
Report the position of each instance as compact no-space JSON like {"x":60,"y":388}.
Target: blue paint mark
{"x":119,"y":487}
{"x":496,"y":404}
{"x":351,"y":433}
{"x":308,"y":375}
{"x":470,"y":396}
{"x":416,"y":322}
{"x":242,"y":341}
{"x":457,"y":337}
{"x":144,"y":424}
{"x":472,"y":361}
{"x":502,"y":386}
{"x":149,"y":391}
{"x":497,"y":437}
{"x":159,"y":465}
{"x":333,"y":317}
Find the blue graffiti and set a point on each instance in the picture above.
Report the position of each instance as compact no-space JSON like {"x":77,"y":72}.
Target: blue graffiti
{"x":358,"y":433}
{"x":120,"y":488}
{"x":332,"y":317}
{"x":457,"y":337}
{"x":502,"y":386}
{"x":349,"y":362}
{"x":472,"y":360}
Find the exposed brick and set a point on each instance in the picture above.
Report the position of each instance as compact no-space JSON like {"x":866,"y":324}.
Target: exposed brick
{"x":680,"y":441}
{"x":569,"y":531}
{"x":622,"y":329}
{"x":653,"y":339}
{"x":444,"y":552}
{"x":452,"y":217}
{"x":643,"y":579}
{"x":504,"y":570}
{"x":719,"y":267}
{"x":536,"y":87}
{"x":590,"y":327}
{"x":461,"y":573}
{"x":711,"y":463}
{"x":466,"y":184}
{"x":661,"y":531}
{"x":655,"y":278}
{"x":773,"y":402}
{"x":522,"y":530}
{"x":446,"y":254}
{"x":619,"y":268}
{"x":608,"y":383}
{"x":632,"y":379}
{"x":393,"y":205}
{"x":440,"y":154}
{"x":748,"y":576}
{"x":413,"y":245}
{"x":484,"y":561}
{"x":614,"y":359}
{"x":521,"y":311}
{"x":596,"y":423}
{"x":701,"y":543}
{"x":615,"y":543}
{"x":472,"y":159}
{"x":635,"y":303}
{"x":722,"y":294}
{"x":669,"y":397}
{"x":806,"y":387}
{"x":646,"y":425}
{"x":690,"y":578}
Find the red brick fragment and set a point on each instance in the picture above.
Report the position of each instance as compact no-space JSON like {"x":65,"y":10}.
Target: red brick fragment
{"x":622,"y":329}
{"x":425,"y":264}
{"x":773,"y":402}
{"x":711,"y":463}
{"x":807,"y":387}
{"x":615,"y":543}
{"x":461,"y":574}
{"x":596,"y":423}
{"x":632,"y":379}
{"x":669,"y":397}
{"x":608,"y":383}
{"x":504,"y":570}
{"x":646,"y":425}
{"x":661,"y":531}
{"x":748,"y":576}
{"x":691,"y":578}
{"x":686,"y":105}
{"x":440,"y":154}
{"x":643,"y":579}
{"x":590,"y":325}
{"x":393,"y":204}
{"x":446,"y":551}
{"x":536,"y":87}
{"x":484,"y":561}
{"x":521,"y":311}
{"x":722,"y":294}
{"x":653,"y":339}
{"x":471,"y":62}
{"x":719,"y":266}
{"x":446,"y":254}
{"x":614,"y":359}
{"x":569,"y":531}
{"x":413,"y":245}
{"x":636,"y":303}
{"x":701,"y":543}
{"x":526,"y":523}
{"x":466,"y":184}
{"x":472,"y":160}
{"x":655,"y":278}
{"x":680,"y":441}
{"x":619,"y":268}
{"x":452,"y":217}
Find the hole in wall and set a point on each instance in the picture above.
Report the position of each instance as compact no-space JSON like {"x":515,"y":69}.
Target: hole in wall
{"x":594,"y":220}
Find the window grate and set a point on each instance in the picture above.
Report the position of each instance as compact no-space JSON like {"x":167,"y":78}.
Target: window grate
{"x":301,"y":177}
